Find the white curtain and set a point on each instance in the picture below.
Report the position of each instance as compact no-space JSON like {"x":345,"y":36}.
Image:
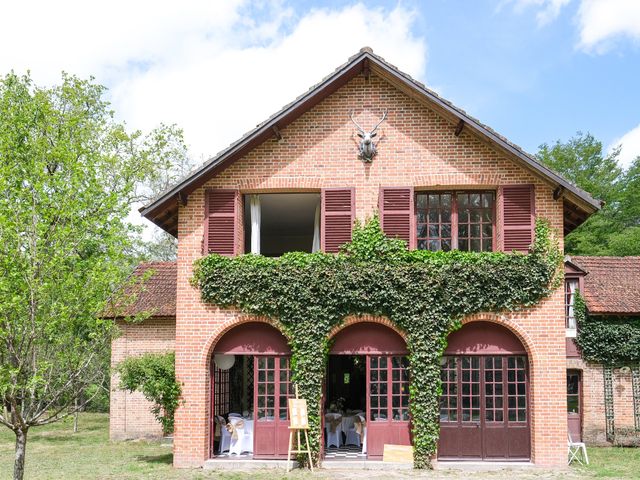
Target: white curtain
{"x":315,"y":247}
{"x":254,"y":203}
{"x":571,"y":319}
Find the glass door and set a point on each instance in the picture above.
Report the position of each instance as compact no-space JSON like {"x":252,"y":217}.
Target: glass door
{"x":272,"y":388}
{"x":387,"y":403}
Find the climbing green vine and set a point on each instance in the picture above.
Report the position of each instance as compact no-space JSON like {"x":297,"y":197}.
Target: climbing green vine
{"x":613,"y":341}
{"x":425,"y":294}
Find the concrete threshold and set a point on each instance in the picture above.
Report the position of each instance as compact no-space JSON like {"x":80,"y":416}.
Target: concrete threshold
{"x":245,"y":464}
{"x":475,"y":466}
{"x":240,"y":464}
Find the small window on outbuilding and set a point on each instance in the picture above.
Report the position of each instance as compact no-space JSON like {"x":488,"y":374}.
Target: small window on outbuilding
{"x":570,"y":289}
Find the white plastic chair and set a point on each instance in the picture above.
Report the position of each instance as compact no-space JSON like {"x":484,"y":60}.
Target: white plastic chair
{"x":349,"y":428}
{"x":577,"y":451}
{"x":364,"y":433}
{"x":235,"y":415}
{"x":238,"y":443}
{"x":333,"y":438}
{"x":247,"y":441}
{"x":225,"y":436}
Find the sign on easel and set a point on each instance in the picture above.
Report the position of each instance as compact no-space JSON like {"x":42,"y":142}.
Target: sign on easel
{"x":298,"y":418}
{"x":298,"y":421}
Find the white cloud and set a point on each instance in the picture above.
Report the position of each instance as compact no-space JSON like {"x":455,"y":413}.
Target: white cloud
{"x":548,"y":10}
{"x":214,"y":68}
{"x":630,"y":146}
{"x":604,"y":21}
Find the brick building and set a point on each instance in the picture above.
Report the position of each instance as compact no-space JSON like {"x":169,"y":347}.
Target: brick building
{"x":603,"y":402}
{"x":440,"y":180}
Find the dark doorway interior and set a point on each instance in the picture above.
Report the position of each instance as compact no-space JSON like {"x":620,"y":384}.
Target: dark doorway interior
{"x":346,"y":383}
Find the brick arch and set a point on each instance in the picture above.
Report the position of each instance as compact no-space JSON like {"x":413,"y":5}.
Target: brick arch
{"x":510,"y":325}
{"x":353,"y":319}
{"x":205,"y":354}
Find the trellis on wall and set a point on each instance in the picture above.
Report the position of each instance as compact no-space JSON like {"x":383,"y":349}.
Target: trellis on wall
{"x":635,"y":386}
{"x":608,"y":403}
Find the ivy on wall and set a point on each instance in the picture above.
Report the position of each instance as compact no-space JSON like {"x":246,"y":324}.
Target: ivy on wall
{"x":425,"y":294}
{"x":612,"y":341}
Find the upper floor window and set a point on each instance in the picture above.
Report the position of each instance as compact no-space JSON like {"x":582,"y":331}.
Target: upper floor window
{"x":276,"y":223}
{"x":570,"y":289}
{"x":456,"y":220}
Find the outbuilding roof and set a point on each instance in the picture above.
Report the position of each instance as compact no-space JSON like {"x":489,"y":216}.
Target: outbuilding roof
{"x":612,"y":284}
{"x":155,"y":294}
{"x":163,"y":211}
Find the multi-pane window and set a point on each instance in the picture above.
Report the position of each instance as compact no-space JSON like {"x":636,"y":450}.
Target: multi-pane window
{"x":489,"y":389}
{"x":493,"y":400}
{"x":455,"y":220}
{"x":399,"y":388}
{"x":517,"y":389}
{"x":570,"y":289}
{"x":449,"y":398}
{"x":378,"y":395}
{"x":388,"y":388}
{"x":470,"y":373}
{"x":573,"y":391}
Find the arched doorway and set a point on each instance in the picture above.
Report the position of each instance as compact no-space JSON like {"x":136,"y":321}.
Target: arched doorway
{"x":484,"y":408}
{"x":368,"y":369}
{"x":250,"y":378}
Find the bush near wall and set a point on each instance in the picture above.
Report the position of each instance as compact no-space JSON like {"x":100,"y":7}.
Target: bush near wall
{"x":425,"y":294}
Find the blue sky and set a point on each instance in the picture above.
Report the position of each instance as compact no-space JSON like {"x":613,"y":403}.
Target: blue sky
{"x":534,"y":70}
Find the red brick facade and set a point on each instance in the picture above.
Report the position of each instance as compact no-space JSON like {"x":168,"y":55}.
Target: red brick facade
{"x":130,"y":413}
{"x":418,"y":149}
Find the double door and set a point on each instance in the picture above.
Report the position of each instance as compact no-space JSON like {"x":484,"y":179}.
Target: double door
{"x":484,"y":411}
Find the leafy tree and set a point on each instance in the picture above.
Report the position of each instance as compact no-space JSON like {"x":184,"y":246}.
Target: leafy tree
{"x":614,"y":230}
{"x":68,"y":176}
{"x":173,"y":164}
{"x":154,"y":374}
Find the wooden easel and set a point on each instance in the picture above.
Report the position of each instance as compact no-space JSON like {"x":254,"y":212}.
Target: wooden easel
{"x":298,"y":422}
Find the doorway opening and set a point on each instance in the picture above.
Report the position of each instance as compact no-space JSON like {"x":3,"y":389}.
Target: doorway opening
{"x":345,"y":406}
{"x":250,"y":387}
{"x":233,"y":380}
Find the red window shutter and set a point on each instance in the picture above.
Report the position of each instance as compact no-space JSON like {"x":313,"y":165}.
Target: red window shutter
{"x":517,"y":217}
{"x":338,"y":213}
{"x":397,"y":213}
{"x":220,"y":226}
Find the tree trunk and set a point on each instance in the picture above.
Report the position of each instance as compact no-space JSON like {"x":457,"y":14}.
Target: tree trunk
{"x":21,"y":445}
{"x":75,"y":416}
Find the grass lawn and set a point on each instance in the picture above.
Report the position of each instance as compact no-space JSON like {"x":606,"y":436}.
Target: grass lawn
{"x":55,"y":452}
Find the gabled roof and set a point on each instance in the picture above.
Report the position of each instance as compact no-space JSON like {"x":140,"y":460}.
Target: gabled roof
{"x":155,"y":295}
{"x":578,"y":204}
{"x":612,"y":284}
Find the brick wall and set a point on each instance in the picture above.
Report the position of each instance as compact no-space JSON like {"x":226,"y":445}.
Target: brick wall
{"x":594,"y":420}
{"x":418,"y":148}
{"x":129,"y":413}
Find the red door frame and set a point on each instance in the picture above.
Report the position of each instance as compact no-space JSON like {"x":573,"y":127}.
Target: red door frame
{"x":389,"y":431}
{"x":484,"y":340}
{"x":372,"y":339}
{"x":271,"y":437}
{"x":258,"y":339}
{"x":574,"y":420}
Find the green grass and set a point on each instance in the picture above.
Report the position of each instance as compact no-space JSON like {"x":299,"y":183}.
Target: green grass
{"x":55,"y":452}
{"x":613,"y":462}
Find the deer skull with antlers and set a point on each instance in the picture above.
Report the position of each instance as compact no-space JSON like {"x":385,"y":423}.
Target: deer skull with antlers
{"x":367,"y":148}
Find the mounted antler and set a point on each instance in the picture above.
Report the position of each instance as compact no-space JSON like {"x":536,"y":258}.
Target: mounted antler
{"x":367,"y":149}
